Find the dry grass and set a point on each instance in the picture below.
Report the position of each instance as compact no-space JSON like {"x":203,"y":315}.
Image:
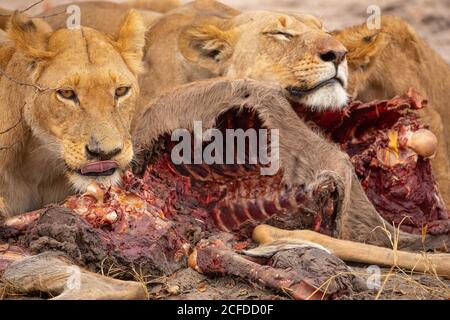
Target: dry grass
{"x":8,"y":292}
{"x":396,"y":282}
{"x":109,"y":269}
{"x":399,"y":280}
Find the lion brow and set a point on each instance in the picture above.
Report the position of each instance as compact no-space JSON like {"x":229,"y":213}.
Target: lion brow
{"x":88,"y":53}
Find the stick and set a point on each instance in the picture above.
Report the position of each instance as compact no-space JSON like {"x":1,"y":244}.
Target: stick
{"x":357,"y":252}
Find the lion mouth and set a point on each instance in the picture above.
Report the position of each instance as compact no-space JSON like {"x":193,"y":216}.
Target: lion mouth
{"x":99,"y":168}
{"x":299,"y":92}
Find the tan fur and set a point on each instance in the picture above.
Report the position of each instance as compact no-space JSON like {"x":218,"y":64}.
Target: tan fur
{"x":206,"y":39}
{"x":3,"y":37}
{"x":4,"y":18}
{"x":388,"y":62}
{"x":162,"y":6}
{"x":306,"y":157}
{"x":100,"y":15}
{"x":48,"y":134}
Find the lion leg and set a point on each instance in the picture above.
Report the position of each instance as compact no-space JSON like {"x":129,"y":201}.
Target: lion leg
{"x":55,"y":275}
{"x":16,"y":196}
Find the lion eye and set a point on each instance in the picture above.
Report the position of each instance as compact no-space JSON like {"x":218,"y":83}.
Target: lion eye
{"x":121,"y":91}
{"x":279,"y":35}
{"x":67,"y":94}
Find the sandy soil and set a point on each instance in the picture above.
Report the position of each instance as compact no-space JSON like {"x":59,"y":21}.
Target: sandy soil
{"x":430,"y":17}
{"x":190,"y":285}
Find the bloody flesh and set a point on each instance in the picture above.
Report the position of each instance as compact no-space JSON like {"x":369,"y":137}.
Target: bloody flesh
{"x":154,"y":219}
{"x":397,"y":181}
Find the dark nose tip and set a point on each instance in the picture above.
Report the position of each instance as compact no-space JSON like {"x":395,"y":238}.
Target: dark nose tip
{"x":94,"y":151}
{"x":335,"y":56}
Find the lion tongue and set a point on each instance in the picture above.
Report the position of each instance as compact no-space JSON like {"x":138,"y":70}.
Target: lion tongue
{"x":99,"y":167}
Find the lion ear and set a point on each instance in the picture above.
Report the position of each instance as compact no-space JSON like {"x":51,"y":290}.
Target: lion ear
{"x":130,"y":40}
{"x":363,"y":44}
{"x":207,"y":46}
{"x":30,"y":36}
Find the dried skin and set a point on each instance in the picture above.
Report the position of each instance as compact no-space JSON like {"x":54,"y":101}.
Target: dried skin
{"x":381,"y":140}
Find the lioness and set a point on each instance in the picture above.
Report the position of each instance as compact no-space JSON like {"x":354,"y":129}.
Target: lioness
{"x":384,"y":63}
{"x":205,"y":39}
{"x":67,"y":101}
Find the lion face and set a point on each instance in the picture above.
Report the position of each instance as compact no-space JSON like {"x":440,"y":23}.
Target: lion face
{"x":89,"y":96}
{"x":292,"y":50}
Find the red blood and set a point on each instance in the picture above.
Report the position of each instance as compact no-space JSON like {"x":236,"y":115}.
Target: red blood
{"x":405,"y":192}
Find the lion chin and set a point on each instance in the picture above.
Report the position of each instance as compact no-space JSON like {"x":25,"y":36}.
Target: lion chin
{"x":330,"y":97}
{"x":80,"y":183}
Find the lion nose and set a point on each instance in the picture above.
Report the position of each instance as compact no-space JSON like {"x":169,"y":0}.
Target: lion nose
{"x":95,"y":151}
{"x":333,"y":56}
{"x":332,"y":50}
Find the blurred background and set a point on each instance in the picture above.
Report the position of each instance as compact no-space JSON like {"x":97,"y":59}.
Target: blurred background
{"x":431,"y":18}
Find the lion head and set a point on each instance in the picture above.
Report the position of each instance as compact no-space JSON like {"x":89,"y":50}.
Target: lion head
{"x":80,"y":95}
{"x":292,"y":50}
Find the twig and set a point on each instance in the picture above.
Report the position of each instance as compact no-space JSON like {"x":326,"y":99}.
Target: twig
{"x":51,"y":15}
{"x":24,"y":10}
{"x":15,"y":125}
{"x":38,"y":88}
{"x":11,"y":128}
{"x":38,"y":16}
{"x":31,"y":6}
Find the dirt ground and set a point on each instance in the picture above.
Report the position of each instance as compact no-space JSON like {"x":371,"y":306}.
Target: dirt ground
{"x":189,"y":285}
{"x":432,"y":20}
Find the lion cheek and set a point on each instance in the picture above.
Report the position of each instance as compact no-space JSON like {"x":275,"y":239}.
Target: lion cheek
{"x":126,"y":156}
{"x":73,"y":156}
